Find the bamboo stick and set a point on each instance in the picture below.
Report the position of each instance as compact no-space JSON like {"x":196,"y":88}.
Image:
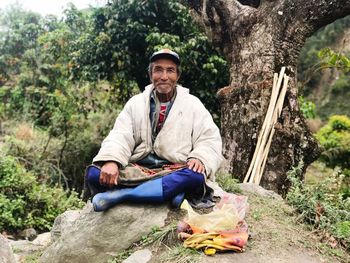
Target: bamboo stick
{"x":271,"y":104}
{"x":276,"y":115}
{"x":267,"y":128}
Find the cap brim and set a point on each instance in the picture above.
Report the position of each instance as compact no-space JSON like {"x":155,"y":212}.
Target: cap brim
{"x":167,"y":56}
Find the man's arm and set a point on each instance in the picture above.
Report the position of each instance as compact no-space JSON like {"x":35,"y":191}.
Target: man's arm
{"x":119,"y":143}
{"x":206,"y":140}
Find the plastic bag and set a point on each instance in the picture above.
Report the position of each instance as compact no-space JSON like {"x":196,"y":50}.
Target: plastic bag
{"x":225,"y":218}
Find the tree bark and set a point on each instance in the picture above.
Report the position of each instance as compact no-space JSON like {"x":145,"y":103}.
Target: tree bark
{"x":258,"y":38}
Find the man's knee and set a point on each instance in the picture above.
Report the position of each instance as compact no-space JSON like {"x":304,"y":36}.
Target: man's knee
{"x":93,"y":175}
{"x":184,"y":180}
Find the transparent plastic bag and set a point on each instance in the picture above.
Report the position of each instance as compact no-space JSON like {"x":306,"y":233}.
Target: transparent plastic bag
{"x":224,"y":218}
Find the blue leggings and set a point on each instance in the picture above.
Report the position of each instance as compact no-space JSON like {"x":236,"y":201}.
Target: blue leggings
{"x":181,"y":181}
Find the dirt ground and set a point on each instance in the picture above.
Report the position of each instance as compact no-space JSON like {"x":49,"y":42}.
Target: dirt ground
{"x":276,"y":236}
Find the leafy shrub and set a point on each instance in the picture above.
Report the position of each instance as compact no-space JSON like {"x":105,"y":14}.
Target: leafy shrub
{"x":321,"y":204}
{"x":25,"y":203}
{"x":307,"y":108}
{"x":335,"y":138}
{"x":59,"y":159}
{"x":227,"y":182}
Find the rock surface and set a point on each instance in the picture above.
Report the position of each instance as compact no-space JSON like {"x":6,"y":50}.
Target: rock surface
{"x":64,"y":221}
{"x":24,"y":248}
{"x":258,"y":190}
{"x":96,"y":237}
{"x":6,"y":254}
{"x":141,"y":256}
{"x":28,"y":234}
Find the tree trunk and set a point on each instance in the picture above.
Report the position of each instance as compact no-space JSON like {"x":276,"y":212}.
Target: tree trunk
{"x":257,"y":40}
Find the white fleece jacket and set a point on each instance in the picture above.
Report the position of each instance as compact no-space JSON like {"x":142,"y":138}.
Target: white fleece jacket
{"x":189,"y":131}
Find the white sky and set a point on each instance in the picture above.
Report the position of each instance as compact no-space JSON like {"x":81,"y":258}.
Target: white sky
{"x":55,"y":7}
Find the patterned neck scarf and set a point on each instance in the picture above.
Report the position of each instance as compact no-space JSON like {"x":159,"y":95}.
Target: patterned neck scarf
{"x":159,"y":112}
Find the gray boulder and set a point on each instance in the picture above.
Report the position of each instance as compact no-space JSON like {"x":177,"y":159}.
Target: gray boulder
{"x":97,"y":237}
{"x":6,"y":254}
{"x":64,"y":221}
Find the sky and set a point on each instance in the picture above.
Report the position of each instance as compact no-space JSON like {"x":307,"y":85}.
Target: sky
{"x":56,"y":7}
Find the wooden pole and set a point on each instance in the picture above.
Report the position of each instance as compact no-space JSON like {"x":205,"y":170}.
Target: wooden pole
{"x":272,"y":103}
{"x":276,"y":114}
{"x":265,"y":131}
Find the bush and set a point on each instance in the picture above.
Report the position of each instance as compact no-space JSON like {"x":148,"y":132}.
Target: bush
{"x":307,"y":108}
{"x":26,"y":203}
{"x":335,"y":138}
{"x":321,"y":204}
{"x":58,"y":159}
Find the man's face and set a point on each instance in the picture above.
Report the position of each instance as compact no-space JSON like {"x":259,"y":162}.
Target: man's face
{"x":164,"y":75}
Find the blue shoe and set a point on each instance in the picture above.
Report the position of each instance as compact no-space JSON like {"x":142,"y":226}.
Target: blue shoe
{"x":150,"y":191}
{"x":103,"y":201}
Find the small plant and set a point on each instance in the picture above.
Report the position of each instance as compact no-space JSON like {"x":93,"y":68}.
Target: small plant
{"x":307,"y":108}
{"x":227,"y":182}
{"x":166,"y":235}
{"x":180,"y":254}
{"x":157,"y":237}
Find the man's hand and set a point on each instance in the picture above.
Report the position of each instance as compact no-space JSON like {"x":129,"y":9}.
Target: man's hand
{"x":109,"y":174}
{"x":196,"y":165}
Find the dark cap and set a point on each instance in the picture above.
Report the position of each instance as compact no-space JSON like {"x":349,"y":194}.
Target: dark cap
{"x":165,"y":53}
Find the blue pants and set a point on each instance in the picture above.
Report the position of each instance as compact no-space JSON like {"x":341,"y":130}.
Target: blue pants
{"x":181,"y":181}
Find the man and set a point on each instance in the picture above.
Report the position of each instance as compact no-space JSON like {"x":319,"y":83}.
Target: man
{"x":162,"y":127}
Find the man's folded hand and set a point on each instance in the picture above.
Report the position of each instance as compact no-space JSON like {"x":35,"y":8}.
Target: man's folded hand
{"x":109,"y":174}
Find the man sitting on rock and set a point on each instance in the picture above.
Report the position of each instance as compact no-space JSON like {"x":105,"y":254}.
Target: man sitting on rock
{"x":164,"y":144}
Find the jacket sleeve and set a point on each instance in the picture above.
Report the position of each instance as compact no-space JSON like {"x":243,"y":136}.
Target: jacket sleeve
{"x":206,"y":141}
{"x":119,"y":143}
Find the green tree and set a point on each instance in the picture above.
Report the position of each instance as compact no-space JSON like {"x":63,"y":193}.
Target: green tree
{"x":124,"y":35}
{"x":20,"y":29}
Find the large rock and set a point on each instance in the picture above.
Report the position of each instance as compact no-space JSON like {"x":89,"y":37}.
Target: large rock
{"x":96,"y":237}
{"x":64,"y":221}
{"x":6,"y":254}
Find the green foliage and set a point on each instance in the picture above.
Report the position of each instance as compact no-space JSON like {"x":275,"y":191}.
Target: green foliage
{"x":308,"y":61}
{"x":53,"y":159}
{"x":227,"y":182}
{"x":121,"y":37}
{"x":25,"y":203}
{"x":332,"y":59}
{"x":180,"y":254}
{"x":321,"y":204}
{"x":19,"y":31}
{"x":335,"y":138}
{"x":319,"y":54}
{"x":156,"y":237}
{"x":336,"y":98}
{"x":307,"y":108}
{"x":54,"y":79}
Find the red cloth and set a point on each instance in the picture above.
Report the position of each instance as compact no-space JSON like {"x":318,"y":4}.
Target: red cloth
{"x":162,"y":116}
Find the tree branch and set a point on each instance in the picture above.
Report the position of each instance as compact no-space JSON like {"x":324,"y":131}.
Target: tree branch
{"x":221,"y":18}
{"x":316,"y":13}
